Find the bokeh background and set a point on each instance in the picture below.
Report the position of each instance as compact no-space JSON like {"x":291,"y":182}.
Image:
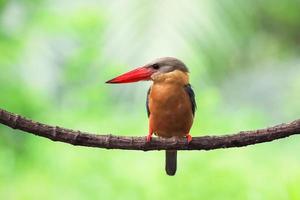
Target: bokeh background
{"x":245,"y":70}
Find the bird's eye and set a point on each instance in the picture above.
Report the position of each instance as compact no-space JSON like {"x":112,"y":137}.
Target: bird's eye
{"x":155,"y":66}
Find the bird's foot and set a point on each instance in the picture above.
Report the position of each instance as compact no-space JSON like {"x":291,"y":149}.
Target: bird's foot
{"x":189,"y":138}
{"x":149,"y":136}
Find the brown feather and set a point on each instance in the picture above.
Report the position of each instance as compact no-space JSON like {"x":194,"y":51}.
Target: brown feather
{"x":170,"y":105}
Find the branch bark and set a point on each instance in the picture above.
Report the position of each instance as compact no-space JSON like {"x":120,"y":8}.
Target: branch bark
{"x":55,"y":133}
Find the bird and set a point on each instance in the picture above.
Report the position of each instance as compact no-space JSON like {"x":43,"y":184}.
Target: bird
{"x":170,"y":101}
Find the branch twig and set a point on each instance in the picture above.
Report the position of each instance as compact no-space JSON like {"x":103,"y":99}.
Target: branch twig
{"x":56,"y":133}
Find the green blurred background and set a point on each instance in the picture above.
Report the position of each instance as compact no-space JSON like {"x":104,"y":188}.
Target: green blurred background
{"x":245,"y":69}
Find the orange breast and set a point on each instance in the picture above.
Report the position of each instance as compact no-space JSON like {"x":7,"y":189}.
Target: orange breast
{"x":170,"y":109}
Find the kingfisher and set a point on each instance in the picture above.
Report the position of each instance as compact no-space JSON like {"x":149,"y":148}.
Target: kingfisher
{"x":170,"y":101}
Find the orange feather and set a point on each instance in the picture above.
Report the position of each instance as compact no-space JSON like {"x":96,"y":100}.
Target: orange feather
{"x":170,"y":105}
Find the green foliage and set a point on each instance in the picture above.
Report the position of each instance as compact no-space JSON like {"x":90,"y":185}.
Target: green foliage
{"x":55,"y":58}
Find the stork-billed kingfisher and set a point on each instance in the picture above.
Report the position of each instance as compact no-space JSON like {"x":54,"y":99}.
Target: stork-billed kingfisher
{"x":170,"y":101}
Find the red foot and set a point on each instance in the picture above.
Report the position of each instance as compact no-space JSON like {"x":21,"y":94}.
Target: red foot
{"x":149,"y":136}
{"x":189,"y":138}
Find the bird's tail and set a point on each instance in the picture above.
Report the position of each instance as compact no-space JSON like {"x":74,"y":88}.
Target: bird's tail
{"x":171,"y":162}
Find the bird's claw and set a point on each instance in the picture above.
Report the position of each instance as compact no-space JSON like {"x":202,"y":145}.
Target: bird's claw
{"x":148,"y":139}
{"x":189,"y":138}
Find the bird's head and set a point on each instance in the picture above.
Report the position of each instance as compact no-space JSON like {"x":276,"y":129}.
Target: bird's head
{"x":149,"y":71}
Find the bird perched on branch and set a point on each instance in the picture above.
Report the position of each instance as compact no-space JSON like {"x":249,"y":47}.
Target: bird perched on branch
{"x":170,"y":101}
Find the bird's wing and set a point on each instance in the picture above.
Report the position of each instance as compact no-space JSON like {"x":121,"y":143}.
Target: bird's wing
{"x":147,"y":102}
{"x":190,"y":92}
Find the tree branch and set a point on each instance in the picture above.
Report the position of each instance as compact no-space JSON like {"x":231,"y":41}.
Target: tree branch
{"x":79,"y":138}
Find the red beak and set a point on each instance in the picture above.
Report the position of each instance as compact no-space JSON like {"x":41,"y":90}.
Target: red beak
{"x":138,"y":74}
